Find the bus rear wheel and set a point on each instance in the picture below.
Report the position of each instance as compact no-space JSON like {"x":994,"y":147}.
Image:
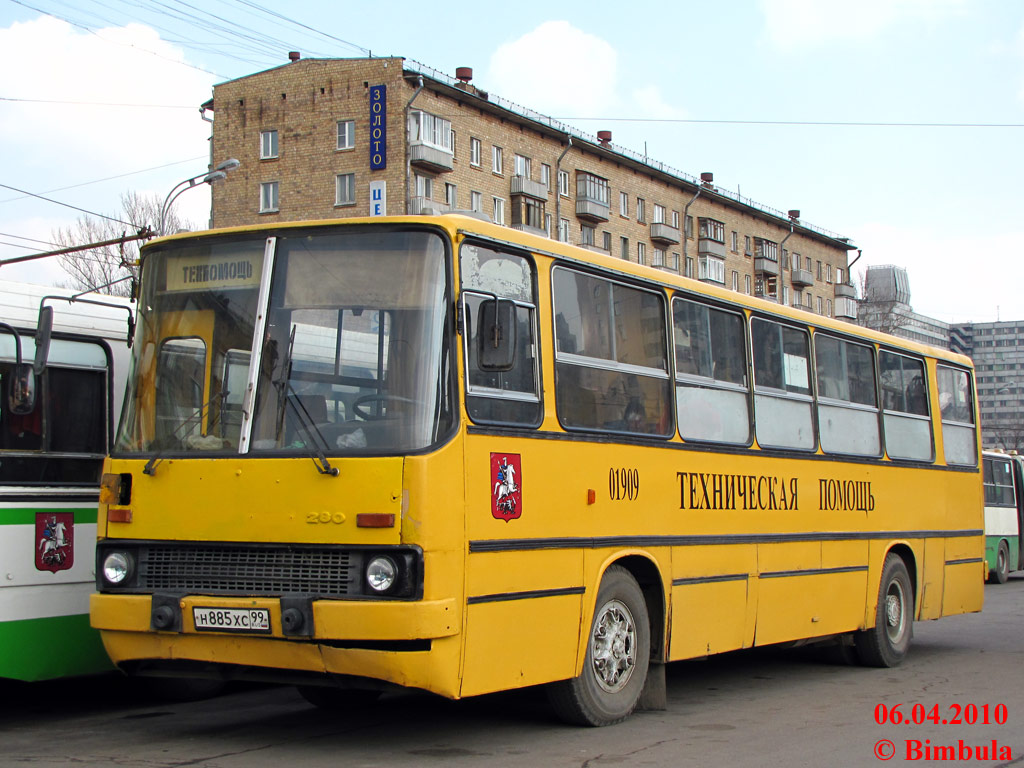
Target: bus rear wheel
{"x":618,"y":654}
{"x":887,"y":643}
{"x":1001,"y":573}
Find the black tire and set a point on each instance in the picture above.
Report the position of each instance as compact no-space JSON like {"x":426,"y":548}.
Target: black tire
{"x":327,"y":697}
{"x":618,"y":654}
{"x":1001,"y":573}
{"x":886,"y":644}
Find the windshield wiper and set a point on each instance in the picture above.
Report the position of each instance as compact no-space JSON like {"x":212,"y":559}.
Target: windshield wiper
{"x":158,"y":457}
{"x":313,"y":436}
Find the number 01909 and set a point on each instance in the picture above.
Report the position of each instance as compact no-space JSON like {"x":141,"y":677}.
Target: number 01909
{"x":623,"y":484}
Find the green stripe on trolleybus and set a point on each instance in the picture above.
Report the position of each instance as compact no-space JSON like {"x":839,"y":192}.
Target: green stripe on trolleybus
{"x":23,"y":516}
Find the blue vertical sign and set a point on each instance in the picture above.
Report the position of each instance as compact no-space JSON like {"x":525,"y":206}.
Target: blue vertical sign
{"x":378,"y":127}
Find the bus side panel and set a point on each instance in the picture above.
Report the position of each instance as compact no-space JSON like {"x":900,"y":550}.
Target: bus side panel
{"x":931,"y":579}
{"x":965,"y":575}
{"x":713,"y":600}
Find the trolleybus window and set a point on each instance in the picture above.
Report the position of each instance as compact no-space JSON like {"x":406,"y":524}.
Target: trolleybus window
{"x":908,"y":430}
{"x":782,"y":387}
{"x":504,"y":397}
{"x":847,"y":405}
{"x":955,"y":400}
{"x":611,"y":369}
{"x":712,"y":397}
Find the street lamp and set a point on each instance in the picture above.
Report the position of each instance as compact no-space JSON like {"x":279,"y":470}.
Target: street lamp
{"x":208,"y":177}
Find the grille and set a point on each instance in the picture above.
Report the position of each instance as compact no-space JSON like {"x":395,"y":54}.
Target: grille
{"x":256,"y":571}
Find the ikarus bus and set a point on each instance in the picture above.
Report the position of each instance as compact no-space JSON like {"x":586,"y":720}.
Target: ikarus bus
{"x":438,"y":453}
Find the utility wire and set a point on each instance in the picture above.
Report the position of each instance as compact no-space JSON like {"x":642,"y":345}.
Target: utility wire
{"x":853,"y":124}
{"x":66,"y":205}
{"x":98,"y":103}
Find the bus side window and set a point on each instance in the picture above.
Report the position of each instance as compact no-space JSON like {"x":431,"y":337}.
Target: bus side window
{"x":712,"y":398}
{"x":907,"y":427}
{"x":956,"y":401}
{"x":782,"y":402}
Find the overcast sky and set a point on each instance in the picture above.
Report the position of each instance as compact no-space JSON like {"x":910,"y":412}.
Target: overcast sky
{"x":896,"y":123}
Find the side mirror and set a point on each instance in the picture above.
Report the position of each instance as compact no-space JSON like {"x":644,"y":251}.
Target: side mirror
{"x":497,"y":333}
{"x":22,"y":394}
{"x":44,"y":329}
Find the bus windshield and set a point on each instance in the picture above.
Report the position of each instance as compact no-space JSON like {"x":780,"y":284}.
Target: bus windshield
{"x":348,"y":356}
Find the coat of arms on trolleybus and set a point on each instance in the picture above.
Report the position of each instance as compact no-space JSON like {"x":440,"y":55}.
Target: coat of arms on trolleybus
{"x":55,"y":541}
{"x":506,"y":485}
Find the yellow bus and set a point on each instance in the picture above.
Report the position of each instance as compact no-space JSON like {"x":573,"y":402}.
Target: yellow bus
{"x":452,"y":456}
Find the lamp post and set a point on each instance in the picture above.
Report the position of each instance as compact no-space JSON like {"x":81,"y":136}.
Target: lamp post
{"x":208,"y":177}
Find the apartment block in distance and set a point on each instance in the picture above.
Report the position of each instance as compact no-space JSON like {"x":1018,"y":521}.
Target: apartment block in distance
{"x":331,"y":138}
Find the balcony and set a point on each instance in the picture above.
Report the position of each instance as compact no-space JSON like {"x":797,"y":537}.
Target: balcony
{"x":763,"y":266}
{"x":592,"y":210}
{"x":663,"y":233}
{"x":762,"y":292}
{"x":537,"y":231}
{"x":524,"y":186}
{"x":846,"y":309}
{"x":710,"y":247}
{"x":802,"y":278}
{"x":430,"y":158}
{"x":427,"y":207}
{"x":845,"y":291}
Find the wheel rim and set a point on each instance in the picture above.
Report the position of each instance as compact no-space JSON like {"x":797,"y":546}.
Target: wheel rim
{"x":1001,"y":560}
{"x":613,"y":646}
{"x":895,"y":612}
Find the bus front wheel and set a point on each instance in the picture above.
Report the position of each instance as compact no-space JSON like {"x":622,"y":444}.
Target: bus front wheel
{"x":1001,"y":572}
{"x":618,"y":654}
{"x":887,"y":643}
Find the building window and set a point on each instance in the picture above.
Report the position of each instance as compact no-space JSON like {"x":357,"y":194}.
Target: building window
{"x":451,"y":195}
{"x":785,"y":295}
{"x":474,"y":152}
{"x":746,"y":284}
{"x":828,"y":273}
{"x":528,"y":212}
{"x":496,"y":162}
{"x":522,"y":166}
{"x":658,"y":257}
{"x":659,"y":214}
{"x":431,"y":130}
{"x":476,"y":202}
{"x":346,"y":134}
{"x":268,"y":197}
{"x":710,"y":229}
{"x":586,"y":235}
{"x":563,"y":230}
{"x":839,"y":275}
{"x":711,"y":270}
{"x":819,"y":271}
{"x":545,"y":176}
{"x":746,"y":247}
{"x":641,"y":253}
{"x":689,"y":226}
{"x":547,"y":224}
{"x":689,"y":266}
{"x":675,"y":219}
{"x":499,"y":211}
{"x":784,"y":261}
{"x":735,"y":241}
{"x":424,"y":187}
{"x":591,"y":187}
{"x":345,"y":189}
{"x":820,"y":307}
{"x":828,"y":307}
{"x":641,"y":213}
{"x":735,"y":280}
{"x":623,"y":204}
{"x":563,"y":183}
{"x":606,"y":241}
{"x":268,"y":145}
{"x":624,"y":248}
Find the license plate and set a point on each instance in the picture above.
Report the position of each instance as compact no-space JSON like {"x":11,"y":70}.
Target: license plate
{"x":245,"y":620}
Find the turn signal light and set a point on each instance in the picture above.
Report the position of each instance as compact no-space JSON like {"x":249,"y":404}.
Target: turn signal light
{"x":375,"y":520}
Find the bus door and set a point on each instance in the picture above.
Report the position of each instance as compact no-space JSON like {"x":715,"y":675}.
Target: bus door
{"x":182,"y":383}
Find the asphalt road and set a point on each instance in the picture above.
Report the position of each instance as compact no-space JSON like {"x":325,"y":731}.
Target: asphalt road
{"x":771,"y":707}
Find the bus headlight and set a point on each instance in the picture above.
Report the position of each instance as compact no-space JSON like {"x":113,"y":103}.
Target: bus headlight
{"x":117,"y":568}
{"x":381,"y":573}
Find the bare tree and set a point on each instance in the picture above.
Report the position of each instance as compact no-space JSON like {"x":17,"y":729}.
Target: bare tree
{"x":89,"y":270}
{"x":1008,"y":435}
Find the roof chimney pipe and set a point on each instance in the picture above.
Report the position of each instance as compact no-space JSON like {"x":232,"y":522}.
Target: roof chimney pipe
{"x":604,"y":138}
{"x":294,"y":55}
{"x":464,"y":74}
{"x":706,"y":178}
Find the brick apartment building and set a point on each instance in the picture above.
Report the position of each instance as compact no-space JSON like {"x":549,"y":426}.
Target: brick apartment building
{"x":331,"y":138}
